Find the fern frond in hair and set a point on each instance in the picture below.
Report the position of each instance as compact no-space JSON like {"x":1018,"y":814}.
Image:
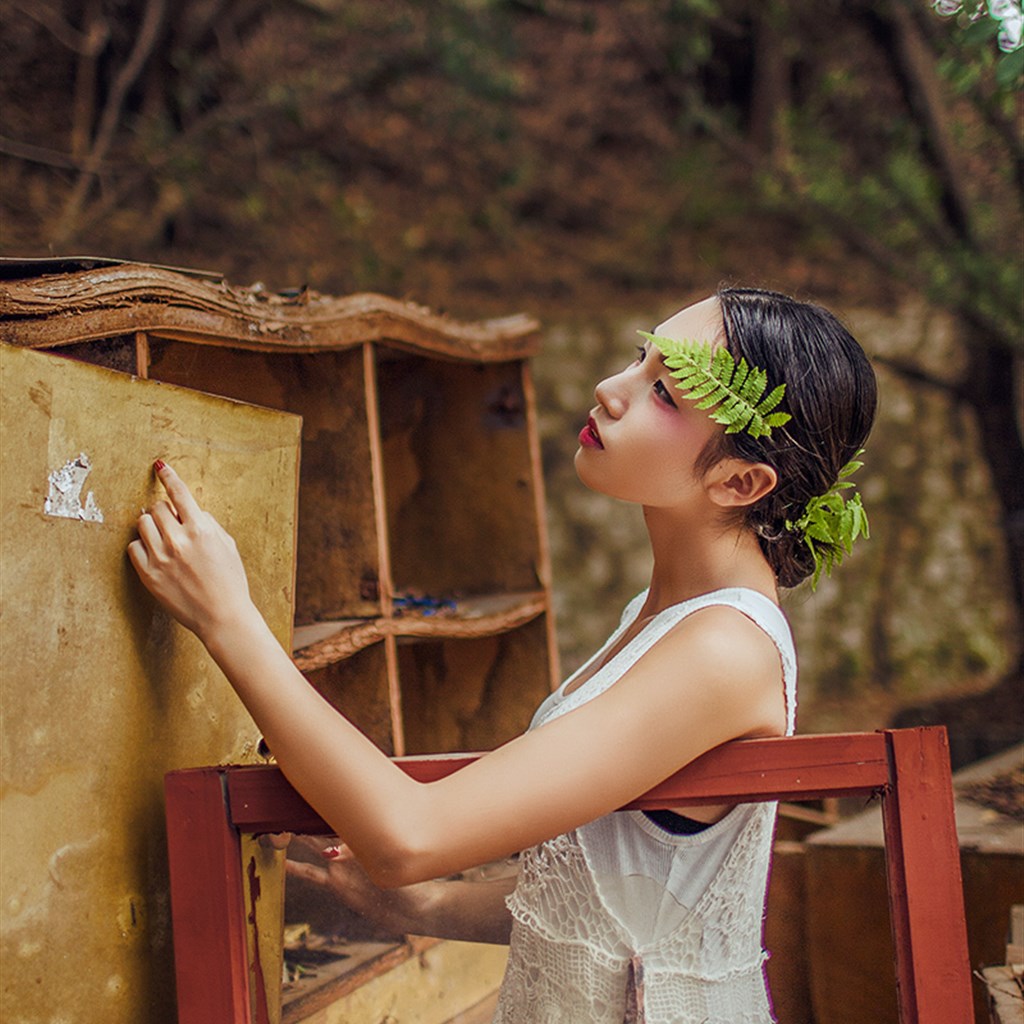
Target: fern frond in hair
{"x":830,"y":523}
{"x":733,"y":394}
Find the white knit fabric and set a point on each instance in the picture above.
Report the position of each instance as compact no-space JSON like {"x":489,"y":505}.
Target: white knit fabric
{"x":620,"y":920}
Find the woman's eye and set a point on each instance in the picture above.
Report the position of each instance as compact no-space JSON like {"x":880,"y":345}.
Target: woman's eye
{"x":664,"y":393}
{"x":641,"y":353}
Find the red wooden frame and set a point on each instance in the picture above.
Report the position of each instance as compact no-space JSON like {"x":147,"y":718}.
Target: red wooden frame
{"x":208,"y":809}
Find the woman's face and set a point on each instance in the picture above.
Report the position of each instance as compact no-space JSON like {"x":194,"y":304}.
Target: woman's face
{"x":643,"y":437}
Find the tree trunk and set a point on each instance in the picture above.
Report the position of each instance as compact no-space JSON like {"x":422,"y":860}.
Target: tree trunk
{"x":990,"y":388}
{"x":770,"y":93}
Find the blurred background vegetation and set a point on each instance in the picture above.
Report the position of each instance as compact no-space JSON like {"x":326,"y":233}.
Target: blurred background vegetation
{"x":599,"y":163}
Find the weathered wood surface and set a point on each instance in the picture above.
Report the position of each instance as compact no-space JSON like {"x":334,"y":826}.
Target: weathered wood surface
{"x":61,"y":309}
{"x":850,"y":948}
{"x":790,"y":767}
{"x":322,"y":643}
{"x":101,"y":692}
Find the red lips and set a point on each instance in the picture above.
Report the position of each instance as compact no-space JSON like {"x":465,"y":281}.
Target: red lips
{"x":589,"y":437}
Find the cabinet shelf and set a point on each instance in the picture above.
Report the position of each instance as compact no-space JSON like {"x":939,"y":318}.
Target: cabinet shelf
{"x":321,"y":643}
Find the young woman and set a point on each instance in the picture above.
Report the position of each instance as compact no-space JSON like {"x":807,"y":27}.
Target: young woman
{"x":615,"y":915}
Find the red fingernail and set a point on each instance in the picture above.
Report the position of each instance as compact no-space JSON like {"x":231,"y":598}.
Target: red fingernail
{"x":159,"y":464}
{"x":331,"y":852}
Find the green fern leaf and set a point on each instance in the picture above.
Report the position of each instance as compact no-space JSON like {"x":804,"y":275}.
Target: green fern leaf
{"x":733,"y":394}
{"x":772,"y":399}
{"x":831,"y":523}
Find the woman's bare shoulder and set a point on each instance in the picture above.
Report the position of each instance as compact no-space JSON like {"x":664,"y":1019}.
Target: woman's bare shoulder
{"x":719,"y":653}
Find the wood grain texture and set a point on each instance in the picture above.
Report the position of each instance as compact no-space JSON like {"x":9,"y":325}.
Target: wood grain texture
{"x":789,"y":767}
{"x":325,"y":642}
{"x":59,"y":309}
{"x":924,"y":878}
{"x":101,"y":692}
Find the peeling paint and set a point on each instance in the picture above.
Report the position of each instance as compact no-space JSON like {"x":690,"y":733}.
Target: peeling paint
{"x":65,"y":497}
{"x":57,"y":865}
{"x":261,"y":1012}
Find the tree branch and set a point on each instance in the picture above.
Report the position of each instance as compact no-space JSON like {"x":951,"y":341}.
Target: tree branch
{"x":38,"y":154}
{"x":913,"y":372}
{"x":916,"y":64}
{"x":144,"y":43}
{"x":88,"y":43}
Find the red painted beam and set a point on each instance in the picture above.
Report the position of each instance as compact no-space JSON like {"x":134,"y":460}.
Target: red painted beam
{"x":780,"y":768}
{"x":783,"y":768}
{"x":207,"y":809}
{"x":207,"y":900}
{"x":933,"y":974}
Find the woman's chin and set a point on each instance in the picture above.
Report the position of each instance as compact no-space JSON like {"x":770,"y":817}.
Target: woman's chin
{"x":586,"y":474}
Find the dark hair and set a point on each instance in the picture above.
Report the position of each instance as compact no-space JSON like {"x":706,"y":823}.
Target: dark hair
{"x":831,"y":395}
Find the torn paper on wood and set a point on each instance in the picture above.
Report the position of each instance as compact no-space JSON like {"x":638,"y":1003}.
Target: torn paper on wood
{"x":65,"y":497}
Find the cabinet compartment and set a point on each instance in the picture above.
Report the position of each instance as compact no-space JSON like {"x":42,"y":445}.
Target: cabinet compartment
{"x":117,"y":353}
{"x":338,"y":571}
{"x":458,"y":478}
{"x":472,"y":694}
{"x":358,"y":687}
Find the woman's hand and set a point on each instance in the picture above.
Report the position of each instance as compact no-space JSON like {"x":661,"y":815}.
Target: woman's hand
{"x":397,"y":911}
{"x":187,"y":561}
{"x":469,"y":911}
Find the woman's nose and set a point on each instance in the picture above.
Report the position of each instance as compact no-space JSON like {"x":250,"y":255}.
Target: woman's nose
{"x":611,"y":395}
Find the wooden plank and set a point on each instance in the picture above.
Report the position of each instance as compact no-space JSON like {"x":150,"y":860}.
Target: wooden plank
{"x":141,"y":354}
{"x":337,"y":568}
{"x":540,"y":514}
{"x":101,"y":692}
{"x":1015,"y":936}
{"x":358,"y":687}
{"x":421,"y":981}
{"x":472,"y":694}
{"x":210,"y":960}
{"x":319,"y":644}
{"x":461,"y":516}
{"x":909,"y":769}
{"x":793,"y":767}
{"x":60,"y":309}
{"x":779,"y":768}
{"x":925,"y":887}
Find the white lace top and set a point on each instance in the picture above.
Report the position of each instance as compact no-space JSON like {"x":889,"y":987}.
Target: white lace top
{"x":621,"y":920}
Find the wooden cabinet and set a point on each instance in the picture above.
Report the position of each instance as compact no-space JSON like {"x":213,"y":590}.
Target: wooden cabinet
{"x":422,"y":594}
{"x":422,"y":603}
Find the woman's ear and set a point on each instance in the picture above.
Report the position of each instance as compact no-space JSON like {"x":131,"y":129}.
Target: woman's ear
{"x":735,"y":482}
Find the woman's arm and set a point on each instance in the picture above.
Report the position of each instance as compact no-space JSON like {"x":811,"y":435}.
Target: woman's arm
{"x":715,"y":677}
{"x":468,"y":910}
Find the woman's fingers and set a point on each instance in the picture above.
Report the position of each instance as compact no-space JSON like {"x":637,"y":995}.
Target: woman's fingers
{"x":139,"y":556}
{"x":307,"y":872}
{"x":178,"y":492}
{"x":149,"y":533}
{"x":165,"y":520}
{"x":188,"y":562}
{"x":327,"y":846}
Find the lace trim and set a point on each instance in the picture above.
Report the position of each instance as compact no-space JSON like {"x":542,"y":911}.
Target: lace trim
{"x":728,"y":914}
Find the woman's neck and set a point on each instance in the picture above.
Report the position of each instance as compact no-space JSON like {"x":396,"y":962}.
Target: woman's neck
{"x":696,"y":557}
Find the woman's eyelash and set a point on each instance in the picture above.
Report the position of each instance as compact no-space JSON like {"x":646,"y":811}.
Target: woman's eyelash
{"x":641,"y":353}
{"x":664,"y":394}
